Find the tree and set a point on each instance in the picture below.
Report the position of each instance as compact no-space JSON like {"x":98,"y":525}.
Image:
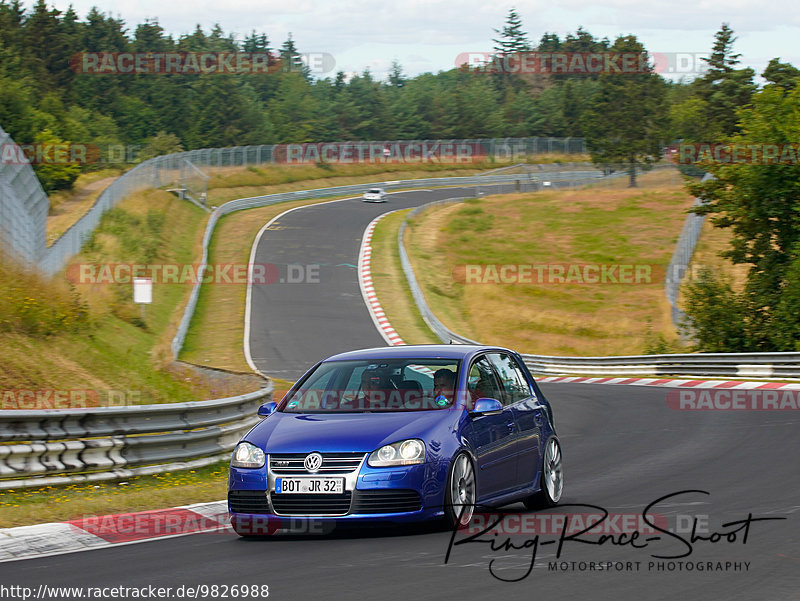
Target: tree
{"x":722,"y":60}
{"x":718,"y":316}
{"x":396,"y":77}
{"x":160,"y":144}
{"x":293,"y":110}
{"x":256,"y":43}
{"x":760,"y":205}
{"x":292,"y":60}
{"x":784,"y":75}
{"x":690,"y":123}
{"x":54,"y":175}
{"x":624,"y":123}
{"x":512,"y":38}
{"x":723,"y":87}
{"x":549,"y":42}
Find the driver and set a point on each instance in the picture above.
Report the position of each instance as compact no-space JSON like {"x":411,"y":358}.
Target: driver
{"x":444,"y":386}
{"x":373,"y":388}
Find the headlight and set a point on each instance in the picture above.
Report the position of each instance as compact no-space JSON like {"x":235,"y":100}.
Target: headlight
{"x":405,"y":452}
{"x":248,"y":455}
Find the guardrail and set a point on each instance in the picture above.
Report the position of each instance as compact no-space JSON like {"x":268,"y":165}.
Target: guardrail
{"x":728,"y":365}
{"x":681,"y":258}
{"x":44,"y":448}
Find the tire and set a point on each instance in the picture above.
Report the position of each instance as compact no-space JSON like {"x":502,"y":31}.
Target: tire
{"x":460,"y":492}
{"x":552,"y":478}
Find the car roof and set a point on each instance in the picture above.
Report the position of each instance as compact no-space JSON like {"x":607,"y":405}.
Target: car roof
{"x":415,"y":351}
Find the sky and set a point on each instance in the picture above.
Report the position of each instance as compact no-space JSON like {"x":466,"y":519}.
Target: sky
{"x":429,"y":35}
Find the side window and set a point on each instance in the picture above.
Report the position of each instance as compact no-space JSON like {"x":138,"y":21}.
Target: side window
{"x":513,"y":381}
{"x":482,"y":381}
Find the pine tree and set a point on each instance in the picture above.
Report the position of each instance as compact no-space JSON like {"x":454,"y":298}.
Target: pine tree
{"x":723,"y":87}
{"x":292,"y":60}
{"x":722,"y":59}
{"x":396,"y":77}
{"x":512,"y":38}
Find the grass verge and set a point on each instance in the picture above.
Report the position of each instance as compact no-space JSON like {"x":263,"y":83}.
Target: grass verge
{"x":59,"y":335}
{"x":391,"y":285}
{"x":58,"y":504}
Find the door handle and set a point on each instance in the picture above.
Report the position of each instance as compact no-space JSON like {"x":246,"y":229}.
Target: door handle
{"x":510,"y":426}
{"x":537,"y":417}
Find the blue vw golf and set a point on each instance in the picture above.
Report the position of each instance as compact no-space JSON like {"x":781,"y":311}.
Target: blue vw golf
{"x":399,"y":434}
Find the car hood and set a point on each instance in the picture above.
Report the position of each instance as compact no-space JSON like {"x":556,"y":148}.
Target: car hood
{"x":342,"y":432}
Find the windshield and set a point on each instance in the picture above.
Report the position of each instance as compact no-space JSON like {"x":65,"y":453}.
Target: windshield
{"x":375,"y":191}
{"x":376,"y":385}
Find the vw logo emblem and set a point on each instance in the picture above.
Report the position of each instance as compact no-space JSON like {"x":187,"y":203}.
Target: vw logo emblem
{"x":313,"y":462}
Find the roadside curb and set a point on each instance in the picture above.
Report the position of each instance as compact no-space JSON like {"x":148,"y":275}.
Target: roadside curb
{"x":672,"y":383}
{"x":368,"y":289}
{"x":97,"y":532}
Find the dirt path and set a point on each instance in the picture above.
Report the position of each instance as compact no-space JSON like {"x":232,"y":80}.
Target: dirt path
{"x":70,"y":211}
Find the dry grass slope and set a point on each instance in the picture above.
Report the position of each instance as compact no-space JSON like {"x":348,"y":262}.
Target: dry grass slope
{"x":606,"y":225}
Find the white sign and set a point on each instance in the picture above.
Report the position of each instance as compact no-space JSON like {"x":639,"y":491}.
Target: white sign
{"x":143,"y":290}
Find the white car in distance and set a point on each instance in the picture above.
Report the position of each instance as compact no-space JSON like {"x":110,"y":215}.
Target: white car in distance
{"x":374,"y":195}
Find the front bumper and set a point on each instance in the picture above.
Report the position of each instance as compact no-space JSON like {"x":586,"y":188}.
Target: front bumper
{"x":402,"y":494}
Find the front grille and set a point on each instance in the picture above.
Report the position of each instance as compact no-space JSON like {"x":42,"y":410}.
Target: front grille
{"x":248,"y":501}
{"x":386,"y":501}
{"x":291,"y":504}
{"x":332,"y":463}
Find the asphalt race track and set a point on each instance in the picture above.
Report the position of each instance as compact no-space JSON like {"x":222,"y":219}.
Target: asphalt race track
{"x":624,"y":448}
{"x":296,"y":323}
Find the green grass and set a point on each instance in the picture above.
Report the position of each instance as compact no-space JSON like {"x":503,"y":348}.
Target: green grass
{"x":83,"y":336}
{"x":391,"y":285}
{"x":56,"y":504}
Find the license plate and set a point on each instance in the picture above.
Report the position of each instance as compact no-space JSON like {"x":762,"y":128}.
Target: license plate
{"x":310,"y":486}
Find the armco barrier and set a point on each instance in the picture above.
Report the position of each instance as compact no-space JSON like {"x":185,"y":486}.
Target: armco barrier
{"x":681,"y":258}
{"x":727,"y":365}
{"x":41,"y":448}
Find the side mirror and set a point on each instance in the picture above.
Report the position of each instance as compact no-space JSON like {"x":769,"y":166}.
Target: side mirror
{"x":486,"y":407}
{"x":267,"y":409}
